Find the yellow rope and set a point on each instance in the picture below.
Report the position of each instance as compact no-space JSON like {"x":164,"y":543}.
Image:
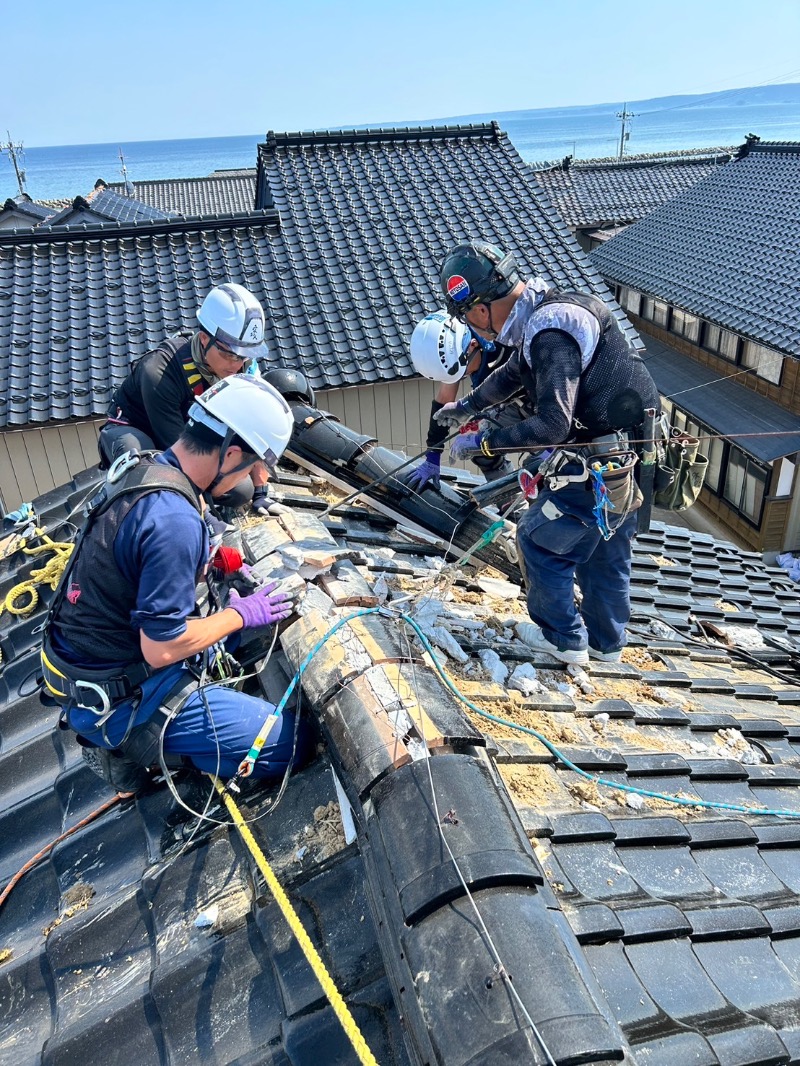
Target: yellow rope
{"x":49,"y":574}
{"x":347,"y":1020}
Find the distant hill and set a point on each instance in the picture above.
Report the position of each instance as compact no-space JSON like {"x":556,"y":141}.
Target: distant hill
{"x":761,"y":95}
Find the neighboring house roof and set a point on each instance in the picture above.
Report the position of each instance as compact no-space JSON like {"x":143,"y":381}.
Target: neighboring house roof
{"x":105,"y":205}
{"x":367,"y":217}
{"x":593,"y":192}
{"x":344,"y":258}
{"x":727,"y":249}
{"x":221,"y":193}
{"x":25,"y":212}
{"x":633,"y":930}
{"x":74,"y":313}
{"x":723,"y":404}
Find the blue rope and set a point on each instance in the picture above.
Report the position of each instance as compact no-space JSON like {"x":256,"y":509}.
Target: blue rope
{"x":680,"y":801}
{"x":601,"y":500}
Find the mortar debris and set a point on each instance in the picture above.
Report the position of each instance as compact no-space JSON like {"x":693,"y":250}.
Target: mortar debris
{"x":75,"y":899}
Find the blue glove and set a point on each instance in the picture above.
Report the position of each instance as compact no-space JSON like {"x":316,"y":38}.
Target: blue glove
{"x":427,"y":473}
{"x":466,"y":445}
{"x":23,"y":514}
{"x":455,"y":414}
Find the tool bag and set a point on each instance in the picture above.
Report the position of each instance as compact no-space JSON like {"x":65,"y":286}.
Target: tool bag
{"x":680,"y":473}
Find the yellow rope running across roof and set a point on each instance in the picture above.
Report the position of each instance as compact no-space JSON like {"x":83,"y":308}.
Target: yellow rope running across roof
{"x":348,"y":1022}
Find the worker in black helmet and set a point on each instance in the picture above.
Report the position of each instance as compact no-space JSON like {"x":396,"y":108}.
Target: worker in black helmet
{"x":589,"y":390}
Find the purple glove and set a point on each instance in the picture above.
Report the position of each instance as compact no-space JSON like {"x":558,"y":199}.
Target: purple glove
{"x":466,"y":445}
{"x":262,"y":607}
{"x":427,"y":473}
{"x":455,"y":414}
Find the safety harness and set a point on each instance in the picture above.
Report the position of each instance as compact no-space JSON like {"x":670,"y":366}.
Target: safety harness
{"x":99,"y":689}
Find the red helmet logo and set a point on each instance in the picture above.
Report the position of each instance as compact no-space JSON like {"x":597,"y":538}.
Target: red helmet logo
{"x":457,"y":288}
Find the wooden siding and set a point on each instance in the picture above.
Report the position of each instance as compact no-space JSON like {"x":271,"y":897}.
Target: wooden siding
{"x":33,"y":461}
{"x":397,"y":413}
{"x":786,"y":395}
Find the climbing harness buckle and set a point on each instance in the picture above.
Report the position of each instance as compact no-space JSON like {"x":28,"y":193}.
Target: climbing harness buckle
{"x":551,"y":469}
{"x":105,"y":703}
{"x":120,"y":467}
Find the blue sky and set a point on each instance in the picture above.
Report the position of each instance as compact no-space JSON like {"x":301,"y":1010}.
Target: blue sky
{"x":168,"y":69}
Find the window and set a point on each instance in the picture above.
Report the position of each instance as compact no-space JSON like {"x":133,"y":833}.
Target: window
{"x":719,"y":340}
{"x":685,"y":325}
{"x":630,"y":299}
{"x":766,"y":362}
{"x":745,"y":485}
{"x":660,"y":313}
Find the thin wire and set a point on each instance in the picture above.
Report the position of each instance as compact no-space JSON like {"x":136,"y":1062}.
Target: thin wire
{"x":501,"y":969}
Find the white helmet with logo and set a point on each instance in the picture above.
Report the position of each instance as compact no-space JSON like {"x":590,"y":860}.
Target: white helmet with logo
{"x":439,"y":347}
{"x":247,"y":408}
{"x":232,"y":315}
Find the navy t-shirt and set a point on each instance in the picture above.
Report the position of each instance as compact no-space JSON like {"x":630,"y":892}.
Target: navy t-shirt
{"x":160,"y":546}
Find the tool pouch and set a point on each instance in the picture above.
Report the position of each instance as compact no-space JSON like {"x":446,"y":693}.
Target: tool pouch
{"x":680,"y":473}
{"x":624,"y":494}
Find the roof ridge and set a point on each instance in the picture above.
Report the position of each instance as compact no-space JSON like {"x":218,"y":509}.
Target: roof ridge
{"x":682,"y":156}
{"x":47,"y":233}
{"x":381,"y":133}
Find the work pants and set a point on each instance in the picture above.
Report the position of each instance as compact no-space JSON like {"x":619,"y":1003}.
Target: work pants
{"x":213,"y":730}
{"x":559,"y":542}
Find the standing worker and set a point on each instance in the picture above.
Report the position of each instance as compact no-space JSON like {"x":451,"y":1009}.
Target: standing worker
{"x":123,"y":648}
{"x":150,"y":407}
{"x":588,"y":389}
{"x":443,"y":349}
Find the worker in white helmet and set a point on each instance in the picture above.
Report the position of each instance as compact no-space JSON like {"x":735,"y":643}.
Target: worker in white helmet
{"x":150,"y":407}
{"x":445,"y":350}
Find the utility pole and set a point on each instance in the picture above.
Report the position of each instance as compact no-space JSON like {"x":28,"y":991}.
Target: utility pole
{"x":124,"y":172}
{"x":624,"y":116}
{"x":15,"y":151}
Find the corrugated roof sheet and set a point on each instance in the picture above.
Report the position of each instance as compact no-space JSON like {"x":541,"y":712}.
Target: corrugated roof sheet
{"x":727,"y":249}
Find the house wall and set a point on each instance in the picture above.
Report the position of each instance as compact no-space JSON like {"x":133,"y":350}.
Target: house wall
{"x":786,"y":394}
{"x":33,"y":461}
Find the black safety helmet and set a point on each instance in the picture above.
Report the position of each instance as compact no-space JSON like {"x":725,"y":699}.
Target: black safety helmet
{"x":476,"y":273}
{"x":291,"y":384}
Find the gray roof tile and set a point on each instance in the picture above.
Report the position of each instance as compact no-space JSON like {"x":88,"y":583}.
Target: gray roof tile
{"x":598,"y":192}
{"x":343,"y":257}
{"x":220,"y":193}
{"x":727,"y":249}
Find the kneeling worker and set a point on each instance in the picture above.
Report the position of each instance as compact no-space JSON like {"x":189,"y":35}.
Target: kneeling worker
{"x":150,"y":407}
{"x":443,"y":349}
{"x":123,"y":646}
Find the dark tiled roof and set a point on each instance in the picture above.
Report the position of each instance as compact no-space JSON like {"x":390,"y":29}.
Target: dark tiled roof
{"x":367,"y":216}
{"x":364,"y":219}
{"x":221,"y":193}
{"x":727,"y":249}
{"x":105,"y":205}
{"x":593,"y":192}
{"x":725,"y":406}
{"x":73,"y":315}
{"x":634,"y":930}
{"x":32,"y":212}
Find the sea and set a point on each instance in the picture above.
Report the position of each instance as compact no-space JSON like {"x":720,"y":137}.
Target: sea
{"x":540,"y":135}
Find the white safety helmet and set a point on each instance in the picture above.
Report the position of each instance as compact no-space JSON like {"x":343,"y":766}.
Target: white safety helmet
{"x":248,"y":408}
{"x":232,"y":315}
{"x":439,"y":347}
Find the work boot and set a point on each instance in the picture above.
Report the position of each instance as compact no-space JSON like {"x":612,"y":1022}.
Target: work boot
{"x":529,"y":633}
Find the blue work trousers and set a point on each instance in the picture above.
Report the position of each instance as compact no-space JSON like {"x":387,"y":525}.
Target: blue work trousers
{"x":559,"y":542}
{"x":214,"y":729}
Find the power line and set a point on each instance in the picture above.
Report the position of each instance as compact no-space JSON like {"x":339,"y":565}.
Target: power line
{"x":14,"y":149}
